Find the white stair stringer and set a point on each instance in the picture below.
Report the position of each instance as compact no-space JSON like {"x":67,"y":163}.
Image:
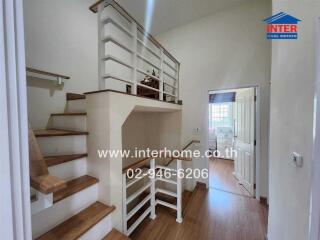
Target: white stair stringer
{"x":76,"y":106}
{"x":70,"y":170}
{"x":47,"y":219}
{"x":63,"y":145}
{"x":69,"y":122}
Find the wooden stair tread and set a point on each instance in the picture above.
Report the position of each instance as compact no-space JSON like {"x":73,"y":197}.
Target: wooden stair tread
{"x":68,"y":114}
{"x":76,"y":226}
{"x":55,"y":160}
{"x":57,"y":132}
{"x":115,"y":235}
{"x":73,"y":186}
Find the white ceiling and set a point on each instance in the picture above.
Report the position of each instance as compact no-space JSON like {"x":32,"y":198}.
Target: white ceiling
{"x":169,"y":14}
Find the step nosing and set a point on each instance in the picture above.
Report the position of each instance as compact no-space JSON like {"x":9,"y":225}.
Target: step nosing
{"x":77,"y":225}
{"x":74,"y":186}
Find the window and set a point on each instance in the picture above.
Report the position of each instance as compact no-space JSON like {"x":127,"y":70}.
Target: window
{"x":221,"y":114}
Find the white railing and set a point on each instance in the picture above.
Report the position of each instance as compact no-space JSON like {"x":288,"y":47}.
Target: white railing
{"x":147,"y":186}
{"x":130,"y":56}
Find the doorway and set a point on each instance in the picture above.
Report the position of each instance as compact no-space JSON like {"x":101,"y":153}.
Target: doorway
{"x":231,"y":140}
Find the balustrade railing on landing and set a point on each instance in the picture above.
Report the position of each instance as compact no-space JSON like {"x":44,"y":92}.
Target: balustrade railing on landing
{"x":145,"y":191}
{"x":144,"y":66}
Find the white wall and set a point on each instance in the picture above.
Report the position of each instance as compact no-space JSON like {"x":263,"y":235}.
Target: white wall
{"x":225,"y":50}
{"x":107,"y":111}
{"x":153,"y":130}
{"x":292,"y":92}
{"x":61,"y":37}
{"x":134,"y":135}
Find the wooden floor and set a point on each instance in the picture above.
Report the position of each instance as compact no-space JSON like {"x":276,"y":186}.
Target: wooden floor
{"x":210,"y":215}
{"x":221,"y":177}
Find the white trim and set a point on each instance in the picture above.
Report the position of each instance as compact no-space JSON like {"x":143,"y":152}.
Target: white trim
{"x":138,"y":221}
{"x":258,"y":143}
{"x":257,"y":134}
{"x":138,"y":192}
{"x":166,"y":180}
{"x":101,"y":46}
{"x":179,"y":194}
{"x":149,"y":49}
{"x":164,"y":191}
{"x":314,"y":227}
{"x":15,"y":214}
{"x":138,"y":207}
{"x":163,"y":203}
{"x":107,"y":20}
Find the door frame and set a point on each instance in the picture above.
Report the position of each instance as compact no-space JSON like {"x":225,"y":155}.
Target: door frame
{"x":15,"y":216}
{"x":314,"y":229}
{"x":257,"y":132}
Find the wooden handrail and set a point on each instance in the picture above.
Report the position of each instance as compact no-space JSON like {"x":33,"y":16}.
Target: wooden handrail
{"x":33,"y":70}
{"x":137,"y":164}
{"x":182,"y":158}
{"x":94,"y":7}
{"x":124,"y":13}
{"x":142,"y":162}
{"x":190,"y":143}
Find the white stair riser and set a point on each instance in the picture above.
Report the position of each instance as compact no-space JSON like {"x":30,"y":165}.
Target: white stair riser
{"x":42,"y":202}
{"x":70,"y":170}
{"x":76,"y":106}
{"x":63,"y":145}
{"x":45,"y":220}
{"x":100,"y":230}
{"x":75,"y":123}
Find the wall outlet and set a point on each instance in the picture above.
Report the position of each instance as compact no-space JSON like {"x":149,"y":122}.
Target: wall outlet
{"x":297,"y":159}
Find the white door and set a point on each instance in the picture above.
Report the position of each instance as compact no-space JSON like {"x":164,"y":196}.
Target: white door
{"x":245,"y":138}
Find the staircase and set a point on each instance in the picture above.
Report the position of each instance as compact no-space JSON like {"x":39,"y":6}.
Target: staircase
{"x":71,"y":211}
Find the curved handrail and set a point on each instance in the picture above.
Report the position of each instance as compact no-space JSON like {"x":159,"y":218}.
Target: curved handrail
{"x":190,"y":143}
{"x":94,"y":7}
{"x":143,"y":162}
{"x":137,"y":164}
{"x":33,"y":70}
{"x":183,"y":158}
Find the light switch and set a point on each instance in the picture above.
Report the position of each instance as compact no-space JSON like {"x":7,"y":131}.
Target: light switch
{"x":297,"y":159}
{"x":197,"y":130}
